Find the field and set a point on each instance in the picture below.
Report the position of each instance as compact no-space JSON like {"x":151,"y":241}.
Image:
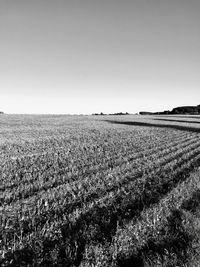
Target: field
{"x":99,"y":190}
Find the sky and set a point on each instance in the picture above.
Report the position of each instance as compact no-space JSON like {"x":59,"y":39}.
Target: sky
{"x":88,"y":56}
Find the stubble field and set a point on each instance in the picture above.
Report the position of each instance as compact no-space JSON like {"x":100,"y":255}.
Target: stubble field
{"x":99,"y":190}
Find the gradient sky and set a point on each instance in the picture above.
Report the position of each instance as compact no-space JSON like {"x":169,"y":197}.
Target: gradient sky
{"x":87,"y":56}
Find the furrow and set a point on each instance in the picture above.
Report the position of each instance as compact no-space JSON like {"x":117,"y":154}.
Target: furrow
{"x":125,"y":201}
{"x":24,"y":191}
{"x":31,"y":174}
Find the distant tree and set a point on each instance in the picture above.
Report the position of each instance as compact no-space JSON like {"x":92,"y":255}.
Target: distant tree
{"x":178,"y":110}
{"x":185,"y":110}
{"x":145,"y":113}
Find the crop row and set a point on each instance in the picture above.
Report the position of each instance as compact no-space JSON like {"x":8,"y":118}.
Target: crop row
{"x":70,"y":158}
{"x":58,"y":177}
{"x":80,"y":192}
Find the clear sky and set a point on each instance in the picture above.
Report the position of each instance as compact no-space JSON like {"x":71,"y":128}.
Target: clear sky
{"x":87,"y":56}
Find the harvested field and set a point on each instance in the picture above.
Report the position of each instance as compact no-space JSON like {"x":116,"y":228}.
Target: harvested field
{"x":99,"y":190}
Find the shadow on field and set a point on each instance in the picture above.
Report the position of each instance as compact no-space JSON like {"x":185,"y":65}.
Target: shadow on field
{"x":193,"y":203}
{"x":169,"y":126}
{"x":180,"y":116}
{"x":177,"y":121}
{"x":170,"y":248}
{"x":99,"y":224}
